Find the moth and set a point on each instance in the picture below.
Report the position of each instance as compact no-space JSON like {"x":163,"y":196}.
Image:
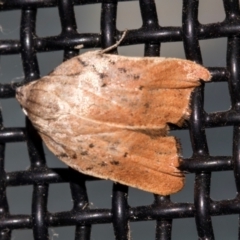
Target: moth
{"x":107,"y":116}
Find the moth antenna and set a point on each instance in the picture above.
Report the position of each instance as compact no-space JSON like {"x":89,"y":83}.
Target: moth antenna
{"x":116,"y":44}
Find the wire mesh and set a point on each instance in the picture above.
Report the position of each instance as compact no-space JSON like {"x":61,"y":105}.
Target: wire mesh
{"x":202,"y":164}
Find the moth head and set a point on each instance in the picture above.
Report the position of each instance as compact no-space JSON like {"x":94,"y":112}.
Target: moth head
{"x":21,"y":96}
{"x":36,"y":102}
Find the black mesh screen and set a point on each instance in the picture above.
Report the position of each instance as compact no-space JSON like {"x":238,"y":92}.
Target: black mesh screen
{"x":163,"y":211}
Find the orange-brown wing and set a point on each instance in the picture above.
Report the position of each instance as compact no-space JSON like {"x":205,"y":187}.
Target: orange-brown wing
{"x":128,"y":157}
{"x":130,"y":92}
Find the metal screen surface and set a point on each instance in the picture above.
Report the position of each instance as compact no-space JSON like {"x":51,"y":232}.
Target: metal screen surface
{"x":163,"y":211}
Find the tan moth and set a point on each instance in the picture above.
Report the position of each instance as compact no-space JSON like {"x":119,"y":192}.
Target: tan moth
{"x":107,"y":116}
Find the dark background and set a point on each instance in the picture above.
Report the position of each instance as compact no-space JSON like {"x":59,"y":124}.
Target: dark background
{"x":216,"y":99}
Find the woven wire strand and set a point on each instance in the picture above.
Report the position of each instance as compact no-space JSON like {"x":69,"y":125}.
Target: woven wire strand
{"x":163,"y":210}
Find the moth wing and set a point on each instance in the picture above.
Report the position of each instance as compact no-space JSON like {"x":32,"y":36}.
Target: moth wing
{"x":142,"y":91}
{"x":137,"y":109}
{"x":150,"y":72}
{"x":128,"y":157}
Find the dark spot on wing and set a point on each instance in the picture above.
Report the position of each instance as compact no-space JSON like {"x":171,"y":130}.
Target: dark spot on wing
{"x":112,"y":62}
{"x":89,"y":168}
{"x":146,"y":105}
{"x":103,"y":164}
{"x":62,"y":155}
{"x":74,"y":156}
{"x":135,"y":76}
{"x":114,"y":162}
{"x":84,"y":153}
{"x":104,"y":85}
{"x":103,"y":75}
{"x":125,"y":154}
{"x":91,"y":145}
{"x":122,"y":70}
{"x":141,"y":87}
{"x":83,"y":63}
